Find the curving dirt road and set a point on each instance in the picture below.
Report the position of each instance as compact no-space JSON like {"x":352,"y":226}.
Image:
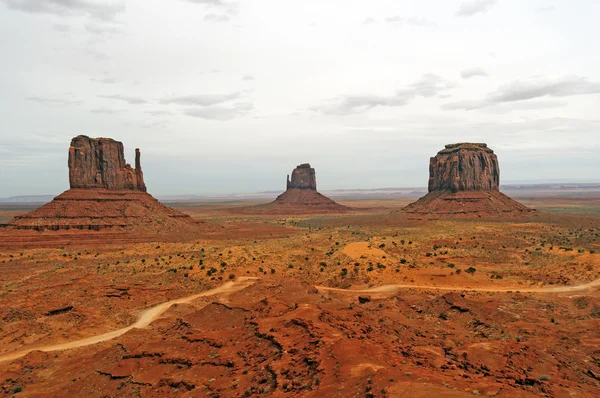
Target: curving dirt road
{"x":145,"y":318}
{"x":153,"y":313}
{"x":394,"y":288}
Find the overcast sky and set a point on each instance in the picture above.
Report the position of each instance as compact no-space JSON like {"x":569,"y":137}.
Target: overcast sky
{"x":229,"y":96}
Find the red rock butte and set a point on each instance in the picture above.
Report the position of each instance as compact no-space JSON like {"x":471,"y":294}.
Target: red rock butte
{"x":106,"y":192}
{"x":301,"y":193}
{"x":100,"y":163}
{"x":464,"y":179}
{"x":300,"y":197}
{"x":303,"y":177}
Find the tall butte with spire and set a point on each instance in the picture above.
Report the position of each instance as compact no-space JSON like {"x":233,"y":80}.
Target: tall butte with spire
{"x":105,"y":193}
{"x":464,"y":179}
{"x":300,"y":196}
{"x":301,"y":192}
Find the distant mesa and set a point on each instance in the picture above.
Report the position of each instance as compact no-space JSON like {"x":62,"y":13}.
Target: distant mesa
{"x":300,"y":197}
{"x":301,"y":193}
{"x":303,"y":177}
{"x":464,"y":179}
{"x":106,"y":193}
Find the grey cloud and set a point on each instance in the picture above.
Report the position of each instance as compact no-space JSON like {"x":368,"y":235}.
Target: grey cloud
{"x":428,"y":86}
{"x":226,"y":10}
{"x":159,"y":113}
{"x":412,"y":21}
{"x":61,"y":27}
{"x":125,"y":98}
{"x":154,"y":124}
{"x":368,"y":21}
{"x":472,"y":7}
{"x":545,"y":9}
{"x":468,"y":73}
{"x":212,"y":17}
{"x":463,"y":105}
{"x":207,"y":2}
{"x":102,"y":30}
{"x":220,"y":113}
{"x":104,"y":80}
{"x":54,"y":101}
{"x":100,"y":9}
{"x":105,"y":111}
{"x":566,"y":86}
{"x":97,"y":55}
{"x":538,"y":88}
{"x":201,"y":99}
{"x":248,"y":78}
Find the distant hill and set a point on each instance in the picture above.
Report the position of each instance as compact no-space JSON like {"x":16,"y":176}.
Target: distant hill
{"x":28,"y":199}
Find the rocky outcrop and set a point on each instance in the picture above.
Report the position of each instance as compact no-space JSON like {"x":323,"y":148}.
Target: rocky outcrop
{"x":100,"y":163}
{"x":300,"y":197}
{"x":464,"y":180}
{"x":464,"y":167}
{"x":106,"y":193}
{"x":303,"y":177}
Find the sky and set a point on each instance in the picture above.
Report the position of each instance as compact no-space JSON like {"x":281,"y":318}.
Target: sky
{"x":229,"y":96}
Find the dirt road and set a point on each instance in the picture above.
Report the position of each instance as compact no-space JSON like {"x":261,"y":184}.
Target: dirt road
{"x":145,"y":318}
{"x":394,"y":288}
{"x":153,"y":313}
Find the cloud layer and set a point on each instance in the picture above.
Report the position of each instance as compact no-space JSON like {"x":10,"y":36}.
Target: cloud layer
{"x":105,"y":10}
{"x":473,"y":7}
{"x":428,"y":86}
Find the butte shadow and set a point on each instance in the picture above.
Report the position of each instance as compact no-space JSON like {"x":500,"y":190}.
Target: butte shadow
{"x":464,"y":181}
{"x":300,"y":197}
{"x":105,"y":193}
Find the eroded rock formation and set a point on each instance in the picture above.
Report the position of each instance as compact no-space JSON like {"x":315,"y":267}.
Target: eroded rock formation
{"x":106,"y":193}
{"x":100,"y":163}
{"x":464,"y":179}
{"x":303,"y":177}
{"x":464,"y":167}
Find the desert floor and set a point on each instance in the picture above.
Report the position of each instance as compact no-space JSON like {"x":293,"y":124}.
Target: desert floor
{"x":369,"y":303}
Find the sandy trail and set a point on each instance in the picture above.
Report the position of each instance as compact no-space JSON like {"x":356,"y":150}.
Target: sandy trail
{"x":146,"y":317}
{"x":395,"y":288}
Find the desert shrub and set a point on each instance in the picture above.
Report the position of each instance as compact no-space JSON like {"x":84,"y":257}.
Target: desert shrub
{"x":470,"y":270}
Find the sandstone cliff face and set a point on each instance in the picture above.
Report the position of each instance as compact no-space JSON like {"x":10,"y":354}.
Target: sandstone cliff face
{"x":100,"y":163}
{"x":303,"y":177}
{"x":464,"y":167}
